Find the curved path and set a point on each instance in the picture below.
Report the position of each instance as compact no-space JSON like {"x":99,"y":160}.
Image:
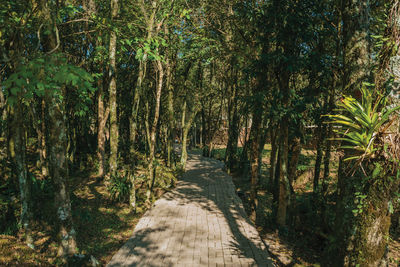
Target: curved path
{"x":200,"y":223}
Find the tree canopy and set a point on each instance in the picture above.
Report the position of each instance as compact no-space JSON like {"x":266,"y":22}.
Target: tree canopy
{"x":112,"y":87}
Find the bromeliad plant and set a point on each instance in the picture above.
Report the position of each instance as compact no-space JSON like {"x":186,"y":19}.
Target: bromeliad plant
{"x":360,"y":124}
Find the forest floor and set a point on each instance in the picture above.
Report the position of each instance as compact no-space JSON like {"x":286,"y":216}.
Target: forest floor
{"x":304,"y":245}
{"x":102,"y":225}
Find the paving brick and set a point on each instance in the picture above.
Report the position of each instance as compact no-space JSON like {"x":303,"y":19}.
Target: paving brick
{"x":199,"y":223}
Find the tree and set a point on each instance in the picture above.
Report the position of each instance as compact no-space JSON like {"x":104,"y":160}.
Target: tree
{"x":113,"y":94}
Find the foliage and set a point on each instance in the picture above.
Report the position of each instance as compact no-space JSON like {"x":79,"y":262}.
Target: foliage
{"x":119,"y":188}
{"x":166,"y":177}
{"x":46,"y":75}
{"x":361,"y":123}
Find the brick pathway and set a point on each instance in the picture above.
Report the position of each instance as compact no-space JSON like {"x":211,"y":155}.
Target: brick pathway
{"x":200,"y":223}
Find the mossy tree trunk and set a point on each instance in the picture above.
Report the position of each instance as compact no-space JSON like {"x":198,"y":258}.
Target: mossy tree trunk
{"x":363,"y":214}
{"x":355,"y":71}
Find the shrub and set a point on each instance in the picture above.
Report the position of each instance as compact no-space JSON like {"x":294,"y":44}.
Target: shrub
{"x":119,"y":188}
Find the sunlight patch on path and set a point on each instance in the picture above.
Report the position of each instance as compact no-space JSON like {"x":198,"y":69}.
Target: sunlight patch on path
{"x":201,"y":222}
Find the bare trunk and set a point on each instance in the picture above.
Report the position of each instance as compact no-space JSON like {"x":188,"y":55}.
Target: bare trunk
{"x":153,"y":130}
{"x":273,"y":157}
{"x":3,"y":114}
{"x":59,"y":173}
{"x":171,"y":131}
{"x":102,"y":117}
{"x":255,"y":136}
{"x":133,"y":120}
{"x":58,"y":161}
{"x":183,"y":142}
{"x":42,"y":140}
{"x":21,"y":171}
{"x":102,"y":114}
{"x":186,"y":129}
{"x":136,"y":103}
{"x":233,"y":134}
{"x":328,"y":145}
{"x":113,"y":94}
{"x":294,"y":159}
{"x":284,"y":189}
{"x":132,"y":195}
{"x":284,"y":183}
{"x":41,"y":135}
{"x":318,"y":160}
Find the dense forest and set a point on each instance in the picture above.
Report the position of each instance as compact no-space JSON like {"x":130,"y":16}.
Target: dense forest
{"x":298,"y":98}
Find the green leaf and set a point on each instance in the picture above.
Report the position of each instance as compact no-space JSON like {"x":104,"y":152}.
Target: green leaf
{"x":15,"y":91}
{"x":376,"y":171}
{"x":390,"y":207}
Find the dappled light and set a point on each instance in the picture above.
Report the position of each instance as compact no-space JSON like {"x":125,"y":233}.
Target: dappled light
{"x":200,"y":133}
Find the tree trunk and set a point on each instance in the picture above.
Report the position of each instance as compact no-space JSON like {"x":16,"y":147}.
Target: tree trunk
{"x":42,"y":141}
{"x":183,"y":142}
{"x":295,"y":152}
{"x":275,"y":191}
{"x":362,"y":217}
{"x":136,"y":103}
{"x":356,"y":67}
{"x":59,"y":173}
{"x":153,"y":129}
{"x":21,"y":171}
{"x":3,"y":115}
{"x":102,"y":114}
{"x":356,"y":45}
{"x":171,"y":130}
{"x":318,"y":160}
{"x":186,"y":129}
{"x":255,"y":139}
{"x":273,"y":157}
{"x":113,"y":94}
{"x":132,"y":195}
{"x":170,"y":107}
{"x":328,"y":145}
{"x":58,"y":161}
{"x":284,"y":184}
{"x":102,"y":117}
{"x":231,"y":148}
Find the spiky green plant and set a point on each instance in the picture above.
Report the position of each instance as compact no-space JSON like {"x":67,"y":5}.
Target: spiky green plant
{"x":361,"y":123}
{"x":119,"y":188}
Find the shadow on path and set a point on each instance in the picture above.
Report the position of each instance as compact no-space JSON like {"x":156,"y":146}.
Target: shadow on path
{"x":200,"y":223}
